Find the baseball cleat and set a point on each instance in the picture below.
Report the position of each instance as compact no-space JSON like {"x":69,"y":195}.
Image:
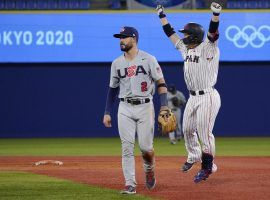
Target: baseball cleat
{"x":179,"y":138}
{"x":187,"y":166}
{"x":173,"y":142}
{"x":129,"y":190}
{"x":203,"y":174}
{"x":150,"y":180}
{"x":214,"y":168}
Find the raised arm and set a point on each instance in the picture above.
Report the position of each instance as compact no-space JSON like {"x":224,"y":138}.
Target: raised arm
{"x":167,"y":28}
{"x":213,"y":33}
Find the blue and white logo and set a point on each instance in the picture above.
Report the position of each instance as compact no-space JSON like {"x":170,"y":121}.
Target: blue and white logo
{"x":165,"y":3}
{"x":248,"y":35}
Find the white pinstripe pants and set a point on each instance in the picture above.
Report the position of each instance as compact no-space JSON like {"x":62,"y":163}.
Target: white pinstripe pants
{"x":198,"y":122}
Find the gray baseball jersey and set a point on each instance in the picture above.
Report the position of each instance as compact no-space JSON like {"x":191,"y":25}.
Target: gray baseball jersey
{"x":136,"y":80}
{"x":180,"y":96}
{"x":200,"y":72}
{"x":177,"y":112}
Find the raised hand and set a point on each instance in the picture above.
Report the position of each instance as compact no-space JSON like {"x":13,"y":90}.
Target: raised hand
{"x":160,"y":11}
{"x":216,"y":8}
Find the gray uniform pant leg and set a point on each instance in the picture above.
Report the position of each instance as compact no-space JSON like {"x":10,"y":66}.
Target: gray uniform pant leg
{"x":178,"y":131}
{"x":132,"y":119}
{"x":145,"y":131}
{"x":145,"y":126}
{"x":127,"y":130}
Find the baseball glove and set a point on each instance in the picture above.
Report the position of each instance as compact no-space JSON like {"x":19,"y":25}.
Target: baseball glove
{"x":166,"y":122}
{"x":176,"y":102}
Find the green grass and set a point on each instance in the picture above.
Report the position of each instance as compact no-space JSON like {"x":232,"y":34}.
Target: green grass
{"x":112,"y":147}
{"x":27,"y":186}
{"x":243,"y":146}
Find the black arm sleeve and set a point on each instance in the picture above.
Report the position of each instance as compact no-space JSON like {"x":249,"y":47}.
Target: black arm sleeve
{"x":213,"y":30}
{"x":163,"y":99}
{"x":213,"y":26}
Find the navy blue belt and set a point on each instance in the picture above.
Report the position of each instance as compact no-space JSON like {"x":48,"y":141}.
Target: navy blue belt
{"x":135,"y":101}
{"x":201,"y":92}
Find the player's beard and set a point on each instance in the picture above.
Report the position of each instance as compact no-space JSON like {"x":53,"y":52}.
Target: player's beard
{"x":126,"y":47}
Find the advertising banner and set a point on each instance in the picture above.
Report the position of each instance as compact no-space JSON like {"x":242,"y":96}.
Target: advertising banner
{"x":88,"y":37}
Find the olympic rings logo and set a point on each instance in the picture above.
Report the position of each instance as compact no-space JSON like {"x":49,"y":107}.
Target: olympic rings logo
{"x":249,"y":35}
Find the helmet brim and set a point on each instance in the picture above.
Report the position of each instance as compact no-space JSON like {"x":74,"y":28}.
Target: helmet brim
{"x":183,"y":31}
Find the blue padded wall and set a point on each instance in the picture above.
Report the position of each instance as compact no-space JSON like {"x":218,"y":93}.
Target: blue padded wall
{"x":67,"y":100}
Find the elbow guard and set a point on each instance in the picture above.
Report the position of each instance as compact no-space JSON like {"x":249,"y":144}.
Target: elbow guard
{"x":213,"y":36}
{"x":168,"y":30}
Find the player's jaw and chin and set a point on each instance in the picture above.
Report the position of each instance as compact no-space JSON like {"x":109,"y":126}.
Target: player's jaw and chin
{"x":126,"y":47}
{"x":189,"y":43}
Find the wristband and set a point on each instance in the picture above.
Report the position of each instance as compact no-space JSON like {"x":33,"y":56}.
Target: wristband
{"x":162,"y":85}
{"x":161,"y":15}
{"x":163,"y":99}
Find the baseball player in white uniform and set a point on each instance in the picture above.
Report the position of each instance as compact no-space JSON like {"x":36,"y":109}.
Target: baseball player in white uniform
{"x":201,"y":61}
{"x":134,"y":75}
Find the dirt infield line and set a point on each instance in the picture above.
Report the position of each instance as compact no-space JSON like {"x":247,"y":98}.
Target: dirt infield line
{"x":237,"y":178}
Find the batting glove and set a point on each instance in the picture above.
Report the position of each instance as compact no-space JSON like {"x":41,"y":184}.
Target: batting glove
{"x":216,"y":8}
{"x":160,"y":11}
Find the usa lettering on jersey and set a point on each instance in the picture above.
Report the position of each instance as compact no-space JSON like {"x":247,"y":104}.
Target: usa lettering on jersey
{"x":131,"y":71}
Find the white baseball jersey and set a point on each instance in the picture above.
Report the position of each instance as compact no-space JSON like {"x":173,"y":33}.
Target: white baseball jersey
{"x":201,"y":64}
{"x":200,"y":72}
{"x":136,"y":80}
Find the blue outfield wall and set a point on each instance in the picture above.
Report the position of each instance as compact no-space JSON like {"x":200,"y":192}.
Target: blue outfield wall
{"x":67,"y":100}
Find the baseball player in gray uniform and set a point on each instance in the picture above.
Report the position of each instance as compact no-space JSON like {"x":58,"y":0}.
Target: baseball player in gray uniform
{"x":176,"y":100}
{"x":201,"y":60}
{"x":134,"y":75}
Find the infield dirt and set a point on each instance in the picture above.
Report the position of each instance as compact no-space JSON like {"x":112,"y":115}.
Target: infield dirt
{"x":237,"y":178}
